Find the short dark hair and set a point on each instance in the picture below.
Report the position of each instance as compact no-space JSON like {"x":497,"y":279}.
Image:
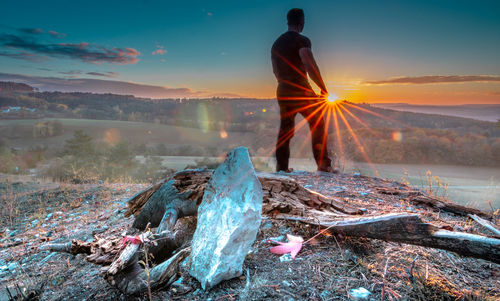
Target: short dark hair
{"x":295,"y":16}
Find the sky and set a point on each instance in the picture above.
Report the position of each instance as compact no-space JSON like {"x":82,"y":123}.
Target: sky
{"x":419,"y":52}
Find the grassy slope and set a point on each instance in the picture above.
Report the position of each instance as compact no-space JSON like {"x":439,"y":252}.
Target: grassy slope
{"x":19,"y":133}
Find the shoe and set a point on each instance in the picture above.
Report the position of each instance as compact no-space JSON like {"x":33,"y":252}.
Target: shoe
{"x":289,"y":170}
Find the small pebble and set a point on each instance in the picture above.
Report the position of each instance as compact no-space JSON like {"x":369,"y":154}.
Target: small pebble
{"x":286,"y":258}
{"x":360,"y":293}
{"x":286,"y":283}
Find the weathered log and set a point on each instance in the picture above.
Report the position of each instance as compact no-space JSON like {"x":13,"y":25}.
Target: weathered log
{"x":124,"y":270}
{"x":160,"y":244}
{"x":410,"y":229}
{"x":181,"y":195}
{"x":128,"y":256}
{"x":102,"y":251}
{"x":280,"y":191}
{"x":73,"y":247}
{"x":443,"y":204}
{"x":134,"y":280}
{"x":57,"y":247}
{"x":486,"y":224}
{"x":168,"y":241}
{"x":140,"y":198}
{"x":396,"y":191}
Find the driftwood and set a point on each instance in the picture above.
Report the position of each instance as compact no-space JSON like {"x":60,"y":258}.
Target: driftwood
{"x":486,"y":224}
{"x":130,"y":277}
{"x":440,"y":203}
{"x":443,"y":204}
{"x":121,"y":262}
{"x":283,"y":193}
{"x":102,"y":251}
{"x":410,"y":229}
{"x":181,"y":195}
{"x":135,"y":279}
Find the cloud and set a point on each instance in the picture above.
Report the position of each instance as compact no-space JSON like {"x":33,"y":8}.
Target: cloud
{"x":56,"y":34}
{"x":108,"y":86}
{"x":71,"y":72}
{"x":436,"y":79}
{"x":82,"y":51}
{"x":23,"y":55}
{"x":161,"y":50}
{"x":31,"y":30}
{"x":104,"y":74}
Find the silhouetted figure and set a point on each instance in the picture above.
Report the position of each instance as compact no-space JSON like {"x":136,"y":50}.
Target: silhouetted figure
{"x":292,"y":61}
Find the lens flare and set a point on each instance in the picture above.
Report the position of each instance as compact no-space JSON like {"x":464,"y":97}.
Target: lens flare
{"x":112,"y":136}
{"x":223,"y":134}
{"x":397,"y":136}
{"x":203,"y":118}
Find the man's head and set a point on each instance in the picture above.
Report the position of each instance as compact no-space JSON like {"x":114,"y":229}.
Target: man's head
{"x":295,"y":18}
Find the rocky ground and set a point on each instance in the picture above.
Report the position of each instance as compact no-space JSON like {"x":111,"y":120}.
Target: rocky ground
{"x":332,"y":267}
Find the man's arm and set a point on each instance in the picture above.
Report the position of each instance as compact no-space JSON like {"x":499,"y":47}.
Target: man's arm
{"x":275,"y":68}
{"x":312,"y":68}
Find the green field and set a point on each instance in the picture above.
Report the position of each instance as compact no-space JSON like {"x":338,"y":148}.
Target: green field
{"x":20,"y":133}
{"x":475,"y":186}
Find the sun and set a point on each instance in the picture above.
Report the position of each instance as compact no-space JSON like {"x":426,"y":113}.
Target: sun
{"x":332,"y":99}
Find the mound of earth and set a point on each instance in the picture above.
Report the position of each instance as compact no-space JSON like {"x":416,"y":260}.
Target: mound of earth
{"x":328,"y":268}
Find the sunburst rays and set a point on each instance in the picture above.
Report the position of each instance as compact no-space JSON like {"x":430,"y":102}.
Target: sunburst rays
{"x":330,"y":110}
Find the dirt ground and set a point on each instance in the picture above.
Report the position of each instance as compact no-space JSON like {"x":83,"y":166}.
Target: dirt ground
{"x":329,"y":268}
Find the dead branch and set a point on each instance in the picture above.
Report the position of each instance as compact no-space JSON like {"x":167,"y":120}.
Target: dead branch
{"x":284,"y":194}
{"x":127,"y":257}
{"x":486,"y":224}
{"x":180,"y":196}
{"x":446,"y":205}
{"x":410,"y":229}
{"x":73,"y":247}
{"x":134,"y":280}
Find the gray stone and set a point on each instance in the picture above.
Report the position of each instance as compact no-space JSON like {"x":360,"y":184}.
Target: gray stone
{"x":228,"y":220}
{"x":12,"y":266}
{"x":49,"y":216}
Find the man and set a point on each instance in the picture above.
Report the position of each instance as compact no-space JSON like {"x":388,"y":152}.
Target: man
{"x":292,"y":60}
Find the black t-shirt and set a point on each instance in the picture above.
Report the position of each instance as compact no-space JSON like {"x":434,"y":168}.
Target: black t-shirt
{"x":286,"y":59}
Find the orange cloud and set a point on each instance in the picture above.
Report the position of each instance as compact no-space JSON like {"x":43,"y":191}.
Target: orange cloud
{"x":436,"y":79}
{"x":159,"y":51}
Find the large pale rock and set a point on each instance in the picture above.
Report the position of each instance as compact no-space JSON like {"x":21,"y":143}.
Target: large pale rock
{"x":228,"y":220}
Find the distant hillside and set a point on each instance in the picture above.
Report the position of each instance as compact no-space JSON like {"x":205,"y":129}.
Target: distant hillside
{"x":216,"y":113}
{"x":486,"y":112}
{"x":15,"y":87}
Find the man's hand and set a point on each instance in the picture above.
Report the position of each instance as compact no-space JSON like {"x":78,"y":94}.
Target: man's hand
{"x":312,"y":69}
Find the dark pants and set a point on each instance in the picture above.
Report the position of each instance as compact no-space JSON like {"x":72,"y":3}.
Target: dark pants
{"x":288,"y":111}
